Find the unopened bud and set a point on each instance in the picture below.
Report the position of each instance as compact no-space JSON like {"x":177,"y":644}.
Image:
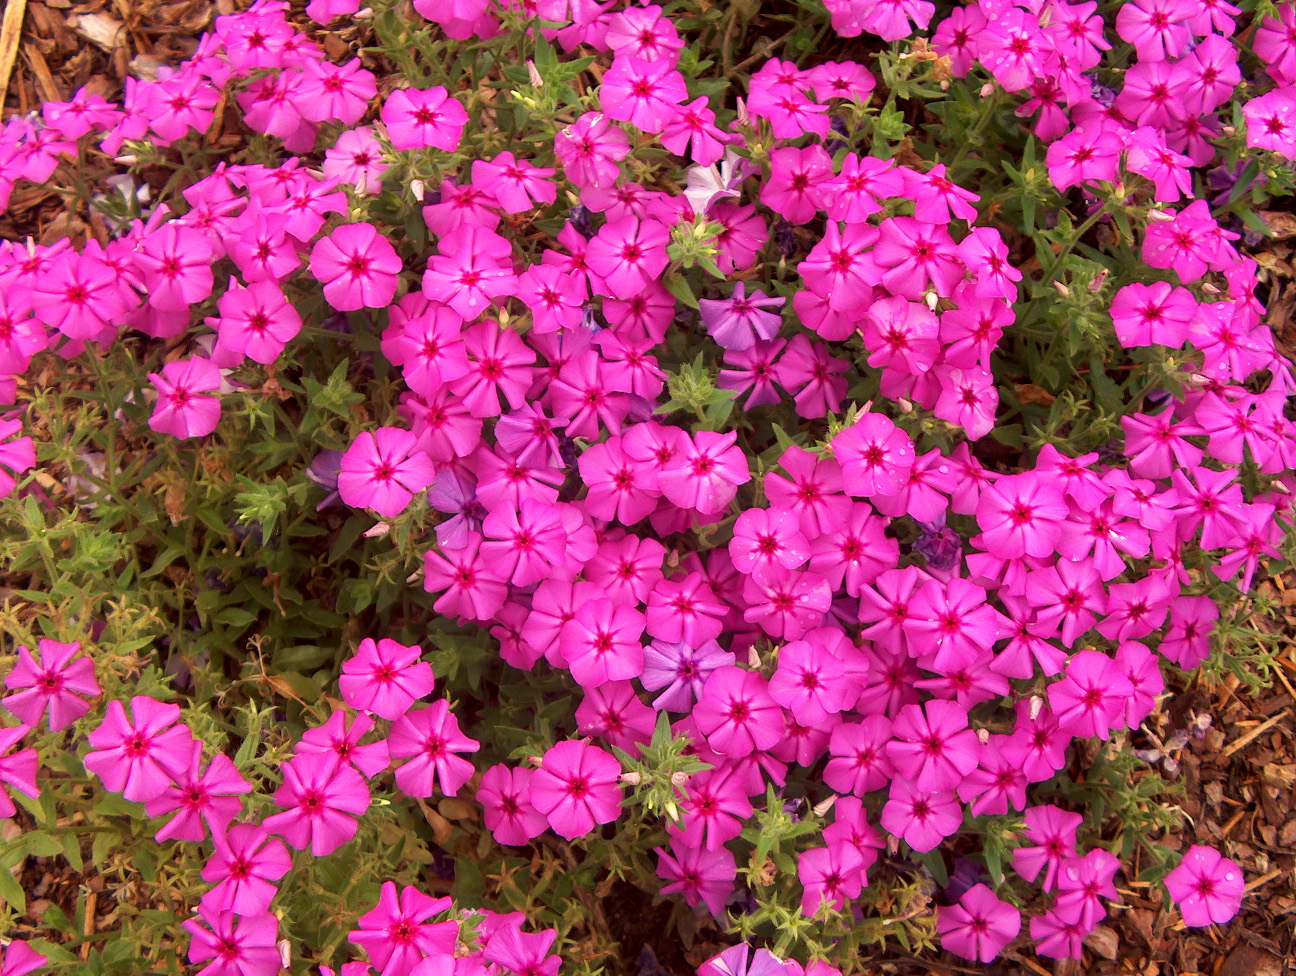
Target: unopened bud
{"x":987,"y":90}
{"x":905,"y":404}
{"x":631,"y":778}
{"x":679,"y":779}
{"x":285,"y":952}
{"x":932,"y":299}
{"x":983,"y":736}
{"x":417,"y":187}
{"x":753,"y":657}
{"x":377,"y":531}
{"x":1062,"y":289}
{"x":1095,"y":286}
{"x":743,"y":117}
{"x":823,"y":806}
{"x":536,"y":80}
{"x":1036,"y":706}
{"x":534,"y":760}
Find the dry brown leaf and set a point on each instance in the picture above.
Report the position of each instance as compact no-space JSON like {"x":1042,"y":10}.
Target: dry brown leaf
{"x":99,"y":29}
{"x":1030,"y":393}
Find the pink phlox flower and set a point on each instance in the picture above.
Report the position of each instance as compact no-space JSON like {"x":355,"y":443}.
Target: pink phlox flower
{"x":86,"y":112}
{"x":922,"y":820}
{"x":932,"y":746}
{"x":601,"y":643}
{"x":713,"y":810}
{"x":383,"y":470}
{"x":706,"y":473}
{"x":581,"y":394}
{"x":518,"y":185}
{"x":1210,"y":500}
{"x":1232,"y":348}
{"x":460,"y":207}
{"x":1089,"y":152}
{"x":555,"y":297}
{"x":1082,"y":883}
{"x":524,"y":545}
{"x":970,"y":333}
{"x":1067,"y":598}
{"x":202,"y":799}
{"x":741,"y":960}
{"x":175,"y":264}
{"x":997,"y":783}
{"x":341,"y":735}
{"x":740,"y":321}
{"x":810,"y":682}
{"x":753,"y":369}
{"x":1207,"y":887}
{"x":523,"y":953}
{"x":502,"y":479}
{"x":890,"y":20}
{"x":628,"y":254}
{"x":736,"y":713}
{"x":1038,"y":743}
{"x":262,"y":249}
{"x":17,"y":770}
{"x":790,"y":111}
{"x":901,"y":336}
{"x":472,"y":588}
{"x":955,"y":618}
{"x":321,"y":798}
{"x":1190,"y":243}
{"x":237,"y":945}
{"x":256,"y":321}
{"x":1156,"y":313}
{"x":682,"y":671}
{"x":859,"y":762}
{"x":685,"y":609}
{"x":358,"y":266}
{"x":617,"y":487}
{"x":421,"y":118}
{"x":505,"y":796}
{"x":938,"y":201}
{"x":698,"y":874}
{"x":306,"y":204}
{"x":1156,"y":28}
{"x":430,"y":739}
{"x":1021,"y":515}
{"x":743,"y":233}
{"x":499,"y":364}
{"x":767,"y":542}
{"x":1271,"y":122}
{"x":830,"y":876}
{"x":531,"y":436}
{"x":641,"y":92}
{"x":1153,"y":94}
{"x":614,"y":712}
{"x":1137,"y":609}
{"x":181,"y":409}
{"x":692,"y":131}
{"x":335,"y":92}
{"x":812,"y":489}
{"x":179,"y":104}
{"x":841,"y":269}
{"x":1156,"y":445}
{"x":590,"y":149}
{"x":979,"y":926}
{"x":926,"y":492}
{"x":242,"y":866}
{"x":626,"y":567}
{"x":397,"y":933}
{"x":576,"y":788}
{"x":1090,"y":698}
{"x":1141,"y":667}
{"x":862,"y":188}
{"x":1186,"y":642}
{"x":1013,"y":47}
{"x":50,"y":684}
{"x":884,"y":611}
{"x":1052,"y":835}
{"x":787,"y":606}
{"x":985,"y":255}
{"x":1057,"y":937}
{"x":845,"y":79}
{"x":385,"y":678}
{"x":914,"y":256}
{"x":876,"y":456}
{"x":628,"y":366}
{"x":425,"y":339}
{"x":141,"y":756}
{"x":645,"y":33}
{"x":1150,"y":157}
{"x":815,"y":378}
{"x":796,"y":185}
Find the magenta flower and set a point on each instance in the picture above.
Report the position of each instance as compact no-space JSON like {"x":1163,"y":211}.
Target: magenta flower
{"x":19,"y":959}
{"x":341,"y":736}
{"x":1207,"y":887}
{"x":321,"y":797}
{"x":788,"y":606}
{"x":141,"y":756}
{"x":383,"y":470}
{"x":419,"y":118}
{"x":629,"y":254}
{"x":1090,"y":698}
{"x":1021,"y":515}
{"x":698,"y":874}
{"x":181,"y":409}
{"x":1083,"y":883}
{"x":705,"y":474}
{"x":601,"y":643}
{"x":429,"y":738}
{"x":576,"y":788}
{"x":590,"y":149}
{"x":830,"y":876}
{"x":472,"y":588}
{"x":859,"y":762}
{"x":244,"y":863}
{"x":256,"y":321}
{"x":202,"y":799}
{"x":385,"y":678}
{"x":979,"y":926}
{"x":932,"y":746}
{"x":713,"y":810}
{"x":17,"y":770}
{"x":396,"y":933}
{"x":739,"y":322}
{"x":1052,"y":832}
{"x":357,"y":266}
{"x":643,"y":93}
{"x":236,"y":945}
{"x":737,"y":714}
{"x":175,"y":262}
{"x":51,"y":683}
{"x":922,"y":820}
{"x":875,"y":455}
{"x":505,"y":796}
{"x":797,"y":183}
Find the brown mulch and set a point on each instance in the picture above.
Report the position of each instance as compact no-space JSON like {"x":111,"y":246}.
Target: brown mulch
{"x":1239,"y":774}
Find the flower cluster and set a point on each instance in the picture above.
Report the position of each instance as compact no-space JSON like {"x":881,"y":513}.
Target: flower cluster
{"x":873,"y":611}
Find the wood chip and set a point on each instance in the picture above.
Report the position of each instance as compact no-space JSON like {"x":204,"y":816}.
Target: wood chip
{"x":99,"y":29}
{"x":10,"y":32}
{"x":1245,"y":740}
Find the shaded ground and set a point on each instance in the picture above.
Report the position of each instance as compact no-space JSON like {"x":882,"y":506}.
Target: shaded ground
{"x":1239,"y":773}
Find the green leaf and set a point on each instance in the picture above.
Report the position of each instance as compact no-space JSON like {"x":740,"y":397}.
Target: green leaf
{"x":12,"y":893}
{"x":678,"y":286}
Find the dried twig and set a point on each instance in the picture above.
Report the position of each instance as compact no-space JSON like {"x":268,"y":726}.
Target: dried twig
{"x":10,"y":32}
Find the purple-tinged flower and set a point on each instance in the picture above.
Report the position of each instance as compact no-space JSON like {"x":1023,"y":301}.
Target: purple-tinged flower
{"x":681,"y":670}
{"x":740,"y":960}
{"x":739,"y":322}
